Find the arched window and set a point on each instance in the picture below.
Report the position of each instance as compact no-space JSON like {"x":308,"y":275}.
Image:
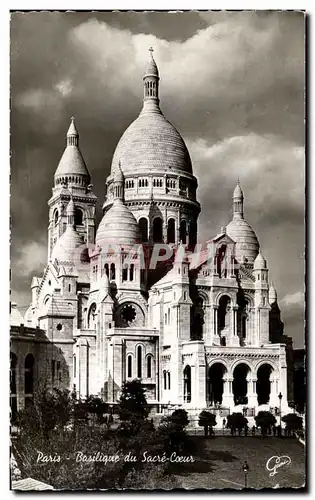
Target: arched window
{"x":56,"y":217}
{"x":143,"y":226}
{"x":169,"y":380}
{"x":149,"y":366}
{"x":78,"y":217}
{"x":139,"y":361}
{"x":182,"y":232}
{"x":13,"y":396}
{"x":29,"y":375}
{"x":106,"y":269}
{"x":192,"y":234}
{"x":69,"y":288}
{"x":74,"y":366}
{"x":131,"y":272}
{"x":171,"y":231}
{"x":164,"y":379}
{"x":91,"y":317}
{"x":224,"y":315}
{"x":129,"y":366}
{"x":112,"y":271}
{"x":125,"y":273}
{"x":187,"y":384}
{"x":158,"y":230}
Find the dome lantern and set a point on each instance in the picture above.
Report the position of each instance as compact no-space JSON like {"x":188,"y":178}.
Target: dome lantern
{"x":72,"y":134}
{"x":238,"y":202}
{"x":247,"y":245}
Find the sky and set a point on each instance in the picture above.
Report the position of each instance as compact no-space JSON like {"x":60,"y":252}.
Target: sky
{"x":232,"y":83}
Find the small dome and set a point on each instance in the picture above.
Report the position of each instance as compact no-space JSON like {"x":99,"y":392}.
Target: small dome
{"x":247,"y":246}
{"x":72,"y":162}
{"x":65,"y":249}
{"x":118,"y":227}
{"x":272,"y":295}
{"x":260,"y":262}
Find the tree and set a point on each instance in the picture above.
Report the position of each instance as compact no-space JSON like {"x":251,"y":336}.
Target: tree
{"x":265,"y":420}
{"x":236,"y":421}
{"x":172,"y":431}
{"x":132,"y":408}
{"x":179,"y":418}
{"x":96,"y":406}
{"x":292,"y":422}
{"x":206,"y":420}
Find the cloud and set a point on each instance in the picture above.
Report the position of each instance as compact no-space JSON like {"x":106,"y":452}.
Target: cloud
{"x":293,"y":299}
{"x":31,"y":259}
{"x":232,"y":63}
{"x":271,"y":171}
{"x":64,"y":87}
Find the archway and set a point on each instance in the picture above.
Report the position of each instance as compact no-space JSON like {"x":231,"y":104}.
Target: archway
{"x":187,"y":384}
{"x":263,"y":385}
{"x":143,"y":227}
{"x":221,"y":261}
{"x":182,"y":232}
{"x":242,"y":317}
{"x":224,"y":314}
{"x":215,"y":384}
{"x":78,"y":217}
{"x":192,"y":234}
{"x":91,"y":317}
{"x":240,"y":384}
{"x":171,"y":231}
{"x":157,"y":230}
{"x":197,"y":319}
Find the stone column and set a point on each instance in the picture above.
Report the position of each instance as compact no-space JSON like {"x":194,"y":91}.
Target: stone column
{"x":215,"y":338}
{"x":251,"y":392}
{"x":227,"y":397}
{"x":234,"y":340}
{"x":165,"y":232}
{"x":273,"y":398}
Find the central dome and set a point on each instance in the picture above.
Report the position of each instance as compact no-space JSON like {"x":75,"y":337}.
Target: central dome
{"x":151,"y":143}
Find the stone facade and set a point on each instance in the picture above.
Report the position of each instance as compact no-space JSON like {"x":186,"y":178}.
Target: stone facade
{"x":201,"y":328}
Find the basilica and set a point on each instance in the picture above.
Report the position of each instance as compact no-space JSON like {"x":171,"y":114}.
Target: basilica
{"x":138,"y":297}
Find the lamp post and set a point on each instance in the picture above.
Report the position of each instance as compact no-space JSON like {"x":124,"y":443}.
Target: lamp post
{"x":280,"y":398}
{"x":245,"y":470}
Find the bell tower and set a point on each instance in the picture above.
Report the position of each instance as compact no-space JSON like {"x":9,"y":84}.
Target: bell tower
{"x":71,"y":181}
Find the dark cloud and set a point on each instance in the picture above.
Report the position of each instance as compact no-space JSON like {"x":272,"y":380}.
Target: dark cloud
{"x":232,"y":83}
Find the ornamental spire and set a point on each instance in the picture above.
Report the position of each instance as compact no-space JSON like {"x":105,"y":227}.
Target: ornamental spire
{"x":72,"y":134}
{"x":118,"y":184}
{"x":151,"y":86}
{"x":238,"y":201}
